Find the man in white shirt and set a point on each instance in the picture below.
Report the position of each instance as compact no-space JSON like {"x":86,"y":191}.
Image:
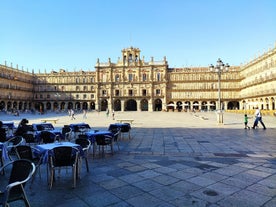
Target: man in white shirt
{"x":258,"y":118}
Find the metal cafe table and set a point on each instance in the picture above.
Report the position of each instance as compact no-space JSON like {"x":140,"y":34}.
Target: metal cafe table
{"x":44,"y":148}
{"x":91,"y":135}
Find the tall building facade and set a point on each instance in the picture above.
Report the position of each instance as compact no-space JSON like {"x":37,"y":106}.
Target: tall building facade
{"x":134,"y":84}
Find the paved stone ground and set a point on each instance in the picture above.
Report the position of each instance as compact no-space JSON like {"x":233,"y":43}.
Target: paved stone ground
{"x":173,"y":159}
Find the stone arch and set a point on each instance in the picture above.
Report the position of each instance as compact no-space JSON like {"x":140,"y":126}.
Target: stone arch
{"x":158,"y":105}
{"x":131,"y":105}
{"x":144,"y":105}
{"x":117,"y":105}
{"x":104,"y":105}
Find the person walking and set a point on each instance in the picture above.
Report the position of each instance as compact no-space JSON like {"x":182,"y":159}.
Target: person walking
{"x":246,"y":122}
{"x":72,"y":114}
{"x":113,"y":114}
{"x":258,"y":118}
{"x":107,"y":112}
{"x":84,"y":114}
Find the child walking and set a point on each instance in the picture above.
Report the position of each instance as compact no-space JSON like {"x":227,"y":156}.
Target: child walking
{"x":246,"y":122}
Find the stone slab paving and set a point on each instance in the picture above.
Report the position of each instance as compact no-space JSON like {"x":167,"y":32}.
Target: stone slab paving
{"x":172,"y":159}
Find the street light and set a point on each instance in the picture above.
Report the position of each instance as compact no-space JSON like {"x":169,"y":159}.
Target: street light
{"x":219,"y":69}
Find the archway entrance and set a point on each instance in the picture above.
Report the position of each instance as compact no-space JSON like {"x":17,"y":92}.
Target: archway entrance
{"x":104,"y":105}
{"x":117,"y":105}
{"x":144,"y":105}
{"x":157,"y":105}
{"x":131,"y":105}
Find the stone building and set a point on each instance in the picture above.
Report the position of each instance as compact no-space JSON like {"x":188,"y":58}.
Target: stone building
{"x":134,"y":84}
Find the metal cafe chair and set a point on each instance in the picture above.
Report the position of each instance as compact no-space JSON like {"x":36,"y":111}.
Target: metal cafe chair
{"x":85,"y":144}
{"x":103,"y":141}
{"x":21,"y":171}
{"x":12,"y":143}
{"x":63,"y":157}
{"x":47,"y":137}
{"x":125,"y":129}
{"x":30,"y":153}
{"x":116,"y":132}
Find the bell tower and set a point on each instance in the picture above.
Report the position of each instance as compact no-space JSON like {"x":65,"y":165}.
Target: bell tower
{"x":131,"y":56}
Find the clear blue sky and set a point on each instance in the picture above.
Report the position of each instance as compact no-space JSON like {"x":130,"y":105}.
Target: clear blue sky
{"x":72,"y":34}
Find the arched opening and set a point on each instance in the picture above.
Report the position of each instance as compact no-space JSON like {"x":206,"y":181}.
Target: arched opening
{"x":131,"y":105}
{"x":144,"y":105}
{"x":92,"y":106}
{"x":196,"y":105}
{"x":56,"y":106}
{"x":104,"y":105}
{"x":20,"y":106}
{"x":70,"y":105}
{"x":9,"y":106}
{"x":272,"y":103}
{"x":157,"y":105}
{"x":233,"y":105}
{"x":179,"y":106}
{"x":14,"y":105}
{"x":48,"y":106}
{"x":117,"y":105}
{"x":84,"y":106}
{"x":204,"y":106}
{"x":2,"y":105}
{"x":62,"y":106}
{"x":78,"y":106}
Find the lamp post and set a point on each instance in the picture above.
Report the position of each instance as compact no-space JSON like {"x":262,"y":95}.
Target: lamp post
{"x":219,"y":69}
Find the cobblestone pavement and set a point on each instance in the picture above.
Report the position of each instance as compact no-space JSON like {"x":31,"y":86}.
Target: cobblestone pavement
{"x":172,"y":159}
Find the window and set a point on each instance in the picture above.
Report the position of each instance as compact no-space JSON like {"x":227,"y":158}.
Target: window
{"x":144,"y":77}
{"x":130,"y":92}
{"x":41,"y":96}
{"x":104,"y":93}
{"x":158,"y":77}
{"x":77,"y":96}
{"x":104,"y":78}
{"x":91,"y":88}
{"x":84,"y":88}
{"x":158,"y":92}
{"x":117,"y":78}
{"x":84,"y":96}
{"x":77,"y":88}
{"x":48,"y":96}
{"x":117,"y":92}
{"x":144,"y":92}
{"x":130,"y":77}
{"x":92,"y":96}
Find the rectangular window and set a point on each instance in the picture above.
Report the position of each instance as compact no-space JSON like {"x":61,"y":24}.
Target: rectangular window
{"x":144,"y":77}
{"x":130,"y":92}
{"x":117,"y":92}
{"x":130,"y":77}
{"x":158,"y":92}
{"x":104,"y":92}
{"x":144,"y":92}
{"x":158,"y":77}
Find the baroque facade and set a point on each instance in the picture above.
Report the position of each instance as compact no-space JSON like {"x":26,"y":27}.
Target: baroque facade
{"x":133,"y":84}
